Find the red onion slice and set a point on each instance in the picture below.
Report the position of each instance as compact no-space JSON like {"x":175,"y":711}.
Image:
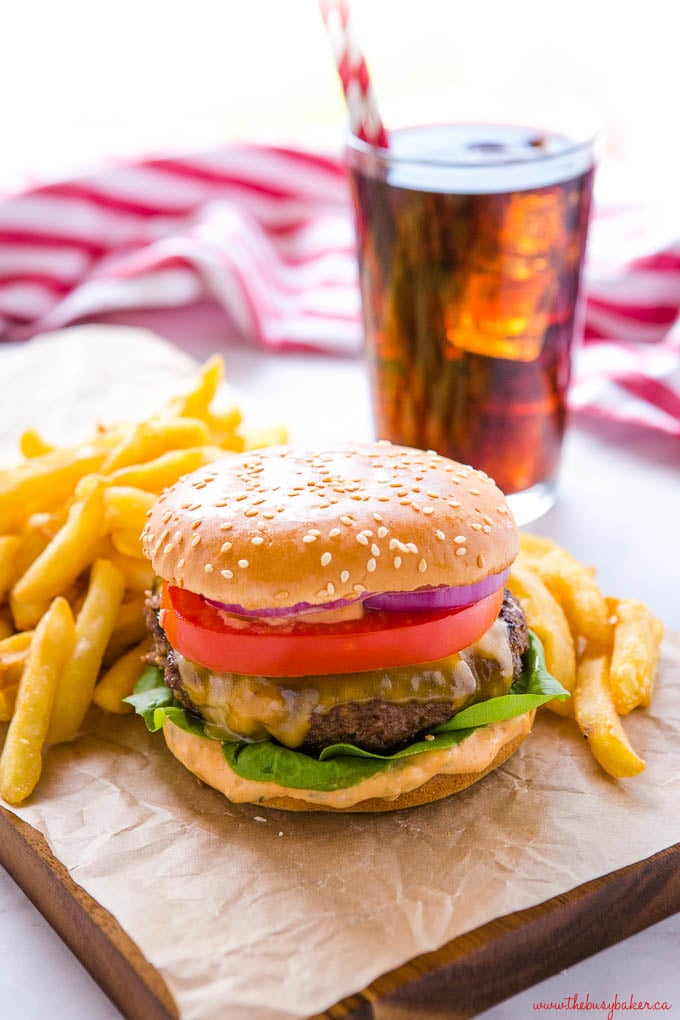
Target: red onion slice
{"x":421,"y":600}
{"x":299,"y":607}
{"x":429,"y":599}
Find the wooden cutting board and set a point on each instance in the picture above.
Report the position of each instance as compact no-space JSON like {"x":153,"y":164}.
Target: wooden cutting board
{"x":459,"y":980}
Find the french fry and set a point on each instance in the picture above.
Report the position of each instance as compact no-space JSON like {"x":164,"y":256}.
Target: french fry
{"x":6,"y":626}
{"x":32,"y":444}
{"x":150,"y":439}
{"x":119,"y":681}
{"x":129,"y":629}
{"x":535,"y":545}
{"x":128,"y":542}
{"x":126,"y":508}
{"x":597,"y":718}
{"x":46,"y":482}
{"x":271,"y":435}
{"x":576,"y":590}
{"x":13,"y":652}
{"x":637,"y":635}
{"x":8,"y":700}
{"x":9,"y":547}
{"x":195,"y":404}
{"x":21,"y":759}
{"x":138,"y":573}
{"x":63,"y":559}
{"x":156,"y":475}
{"x":224,"y":423}
{"x":93,"y":629}
{"x":546,"y":617}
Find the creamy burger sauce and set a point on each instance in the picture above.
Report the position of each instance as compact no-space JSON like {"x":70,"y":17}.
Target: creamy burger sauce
{"x":239,"y":707}
{"x":475,"y":754}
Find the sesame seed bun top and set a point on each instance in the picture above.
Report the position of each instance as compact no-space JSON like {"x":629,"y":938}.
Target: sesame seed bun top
{"x":279,"y":526}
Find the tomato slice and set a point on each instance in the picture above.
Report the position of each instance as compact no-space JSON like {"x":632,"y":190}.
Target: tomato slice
{"x":204,"y":634}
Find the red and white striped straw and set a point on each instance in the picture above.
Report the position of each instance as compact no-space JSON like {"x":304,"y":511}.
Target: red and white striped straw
{"x":363,"y":111}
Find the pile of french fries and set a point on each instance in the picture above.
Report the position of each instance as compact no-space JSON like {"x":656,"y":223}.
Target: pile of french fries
{"x":603,"y":650}
{"x":72,"y":571}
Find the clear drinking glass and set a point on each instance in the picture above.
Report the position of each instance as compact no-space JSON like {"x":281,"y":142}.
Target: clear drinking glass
{"x":471,"y":238}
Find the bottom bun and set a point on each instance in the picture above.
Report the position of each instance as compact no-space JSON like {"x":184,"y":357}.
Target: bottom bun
{"x":420,"y":779}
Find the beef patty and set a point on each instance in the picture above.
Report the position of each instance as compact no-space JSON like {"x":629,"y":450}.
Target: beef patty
{"x":377,"y":725}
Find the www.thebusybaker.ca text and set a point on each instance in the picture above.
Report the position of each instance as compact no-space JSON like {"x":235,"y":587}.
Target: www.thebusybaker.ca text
{"x":607,"y":1006}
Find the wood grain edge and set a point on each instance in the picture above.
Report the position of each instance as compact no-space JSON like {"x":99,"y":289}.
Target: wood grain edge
{"x":91,"y":932}
{"x":485,"y":966}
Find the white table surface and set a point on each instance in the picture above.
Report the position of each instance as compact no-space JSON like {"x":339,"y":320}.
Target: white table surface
{"x":619,"y":509}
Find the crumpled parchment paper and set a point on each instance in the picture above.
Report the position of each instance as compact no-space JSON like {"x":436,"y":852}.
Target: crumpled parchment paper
{"x":254,"y":914}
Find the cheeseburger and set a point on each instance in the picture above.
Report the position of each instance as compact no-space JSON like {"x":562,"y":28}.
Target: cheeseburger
{"x":331,"y":628}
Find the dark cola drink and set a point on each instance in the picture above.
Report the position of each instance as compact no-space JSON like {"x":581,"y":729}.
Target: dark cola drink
{"x":471,"y":242}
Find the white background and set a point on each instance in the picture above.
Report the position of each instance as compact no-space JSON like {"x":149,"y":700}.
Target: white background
{"x":82,"y":80}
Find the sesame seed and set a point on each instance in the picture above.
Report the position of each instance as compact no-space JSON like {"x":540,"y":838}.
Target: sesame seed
{"x":383,"y":499}
{"x":476,"y":527}
{"x":226,"y":547}
{"x":208,"y":568}
{"x":178,"y":537}
{"x":454,"y":504}
{"x":281,"y":595}
{"x":416,"y":506}
{"x":243,"y":564}
{"x":334,"y":532}
{"x":309,"y":538}
{"x":226,"y":526}
{"x":371,"y":565}
{"x":405,"y":502}
{"x":184,"y":506}
{"x":180,"y":563}
{"x":475,"y":492}
{"x":378,"y":518}
{"x":196,"y":524}
{"x":439,"y":535}
{"x":347,"y":520}
{"x":359,"y":588}
{"x":344,"y":576}
{"x":487,"y":519}
{"x":168,"y":549}
{"x":227,"y":574}
{"x":397,"y":562}
{"x":412,"y":547}
{"x":480,"y":560}
{"x":222,"y":502}
{"x":422,"y":566}
{"x":429,"y":736}
{"x":269,"y":515}
{"x":361,"y":538}
{"x":375,"y":549}
{"x":382,"y":531}
{"x":195,"y":540}
{"x":251,"y":512}
{"x":241,"y":495}
{"x":459,"y":540}
{"x":486,"y":529}
{"x":461,"y":550}
{"x":501,"y":509}
{"x":166,"y":516}
{"x":257,"y":540}
{"x":330,"y":588}
{"x":195,"y":506}
{"x":428,"y":510}
{"x":326,"y":559}
{"x":315,"y":532}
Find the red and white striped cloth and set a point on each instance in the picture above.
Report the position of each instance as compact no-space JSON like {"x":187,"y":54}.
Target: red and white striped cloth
{"x":267,"y":232}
